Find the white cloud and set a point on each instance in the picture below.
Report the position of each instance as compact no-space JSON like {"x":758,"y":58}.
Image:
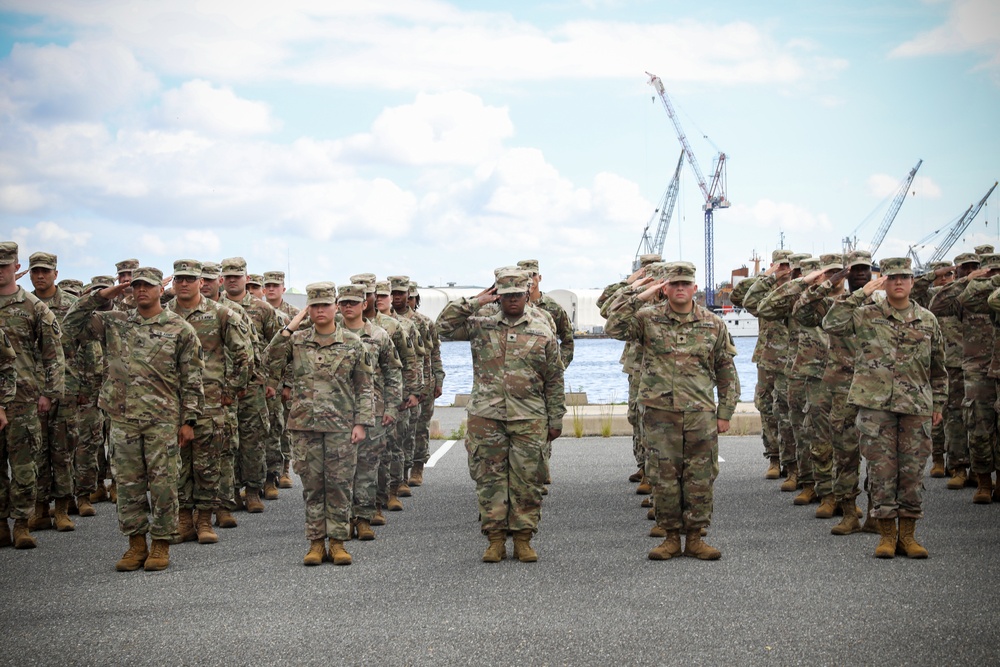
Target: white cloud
{"x":971,"y":26}
{"x":783,"y":216}
{"x":200,"y":106}
{"x":21,"y":198}
{"x":884,"y":185}
{"x":51,"y":237}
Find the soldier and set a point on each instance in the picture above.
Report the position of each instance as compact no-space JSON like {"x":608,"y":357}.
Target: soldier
{"x":153,"y":396}
{"x":8,"y":389}
{"x":54,"y":456}
{"x":274,"y":290}
{"x":327,"y":381}
{"x":564,"y":327}
{"x":434,"y":375}
{"x":34,"y":334}
{"x":124,"y":270}
{"x":227,"y":352}
{"x":516,"y":408}
{"x":985,"y":249}
{"x":900,"y":386}
{"x":71,"y":285}
{"x":687,"y":354}
{"x":401,"y":310}
{"x":255,"y":285}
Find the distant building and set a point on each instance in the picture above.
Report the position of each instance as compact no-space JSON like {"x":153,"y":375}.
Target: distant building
{"x":581,"y":306}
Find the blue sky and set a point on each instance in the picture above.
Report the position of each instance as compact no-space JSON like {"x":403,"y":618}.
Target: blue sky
{"x":444,"y":139}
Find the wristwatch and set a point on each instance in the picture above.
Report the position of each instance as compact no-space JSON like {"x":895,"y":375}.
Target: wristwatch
{"x":190,"y":422}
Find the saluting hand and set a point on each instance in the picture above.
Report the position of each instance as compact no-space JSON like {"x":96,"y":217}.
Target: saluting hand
{"x":638,"y":273}
{"x":874,"y":285}
{"x":488,"y":295}
{"x":297,"y":320}
{"x":112,"y":292}
{"x":650,"y":292}
{"x":814,"y":277}
{"x":837,"y":279}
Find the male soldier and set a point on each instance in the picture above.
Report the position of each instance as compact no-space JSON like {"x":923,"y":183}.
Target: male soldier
{"x":564,"y":327}
{"x":402,"y":311}
{"x":255,"y":285}
{"x":275,"y":451}
{"x":387,"y":388}
{"x":900,"y":387}
{"x":325,"y":377}
{"x":985,"y":249}
{"x":434,"y":375}
{"x":8,"y":389}
{"x":227,"y":352}
{"x":124,"y":270}
{"x":71,"y":286}
{"x":34,"y":334}
{"x":274,"y":290}
{"x":254,"y":422}
{"x":516,"y":408}
{"x":153,"y":396}
{"x":54,"y":456}
{"x":687,"y":354}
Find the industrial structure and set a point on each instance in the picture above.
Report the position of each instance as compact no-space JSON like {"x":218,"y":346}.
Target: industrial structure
{"x":850,"y":242}
{"x":654,"y":244}
{"x":955,"y":232}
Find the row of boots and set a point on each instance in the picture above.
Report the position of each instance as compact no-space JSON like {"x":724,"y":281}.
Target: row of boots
{"x":497,"y":549}
{"x":139,"y":555}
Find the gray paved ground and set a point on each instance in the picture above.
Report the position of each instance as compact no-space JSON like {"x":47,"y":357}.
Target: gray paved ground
{"x":784,"y":593}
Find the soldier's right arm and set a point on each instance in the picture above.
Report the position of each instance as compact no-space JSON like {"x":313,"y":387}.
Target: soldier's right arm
{"x":946,"y":301}
{"x":739,"y":292}
{"x":994,"y":299}
{"x":813,"y":305}
{"x":609,"y":291}
{"x":453,"y":322}
{"x":279,"y":357}
{"x":975,"y":297}
{"x":53,"y":356}
{"x":238,"y":350}
{"x":778,"y":304}
{"x":411,"y":376}
{"x":843,"y":316}
{"x":623,"y":320}
{"x":756,"y":292}
{"x":8,"y":374}
{"x":82,"y":322}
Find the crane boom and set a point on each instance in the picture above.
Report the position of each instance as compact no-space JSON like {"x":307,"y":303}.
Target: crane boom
{"x":662,"y":92}
{"x":960,"y":227}
{"x":654,"y":244}
{"x":890,"y":215}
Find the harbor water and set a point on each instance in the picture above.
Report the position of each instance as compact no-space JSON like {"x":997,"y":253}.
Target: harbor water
{"x":595,"y":370}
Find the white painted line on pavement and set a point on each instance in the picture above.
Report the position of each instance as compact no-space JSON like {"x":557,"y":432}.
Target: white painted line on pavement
{"x":722,"y":460}
{"x":441,"y":451}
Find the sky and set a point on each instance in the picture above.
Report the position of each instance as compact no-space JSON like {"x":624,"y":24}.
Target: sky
{"x":443,"y":139}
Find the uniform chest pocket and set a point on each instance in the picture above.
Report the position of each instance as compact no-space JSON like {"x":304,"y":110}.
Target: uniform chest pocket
{"x":161,"y":349}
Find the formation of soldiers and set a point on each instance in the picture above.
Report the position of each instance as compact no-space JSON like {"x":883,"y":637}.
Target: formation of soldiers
{"x":194,"y":401}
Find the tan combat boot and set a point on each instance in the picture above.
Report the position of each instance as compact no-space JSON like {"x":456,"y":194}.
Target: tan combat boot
{"x":651,"y":514}
{"x":644,"y":488}
{"x":937,"y":465}
{"x":849,"y":523}
{"x":62,"y":521}
{"x":101,"y":494}
{"x":5,"y":539}
{"x":364,"y":530}
{"x":657,"y":531}
{"x":285,"y":480}
{"x":84,"y":506}
{"x":806,"y":495}
{"x":827,"y":506}
{"x":522,"y":547}
{"x":204,"y":527}
{"x":792,"y":481}
{"x":22,"y":536}
{"x":185,"y":525}
{"x":906,"y":543}
{"x":958,"y":479}
{"x":984,"y":492}
{"x":40,"y":518}
{"x":667,"y":549}
{"x":773,"y":468}
{"x":647,"y":501}
{"x":403,"y":490}
{"x":636,"y":476}
{"x":317,"y":551}
{"x":113,"y":492}
{"x":338,"y":554}
{"x":379,"y":518}
{"x":159,"y":556}
{"x":270,"y":488}
{"x":224,"y":518}
{"x":135,"y":556}
{"x":394,"y":504}
{"x":887,"y":539}
{"x":254,"y":504}
{"x":416,"y":475}
{"x":695,"y":547}
{"x":497,"y":550}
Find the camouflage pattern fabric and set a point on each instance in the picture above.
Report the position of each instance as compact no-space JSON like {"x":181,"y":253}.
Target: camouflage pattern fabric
{"x":92,"y":429}
{"x":18,"y":443}
{"x":200,"y":464}
{"x":564,"y":327}
{"x":8,"y":374}
{"x":846,"y":447}
{"x":897,"y":447}
{"x":146,"y":461}
{"x":763,"y":400}
{"x":36,"y":336}
{"x":252,"y":424}
{"x":226,"y":496}
{"x":366,"y":473}
{"x":786,"y":438}
{"x":54,"y":455}
{"x":326,"y":463}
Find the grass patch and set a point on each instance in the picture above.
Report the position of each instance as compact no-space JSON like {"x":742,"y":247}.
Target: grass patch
{"x":577,"y":418}
{"x":458,"y":433}
{"x":607,"y":413}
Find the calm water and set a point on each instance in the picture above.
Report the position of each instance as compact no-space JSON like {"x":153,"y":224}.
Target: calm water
{"x":595,"y":370}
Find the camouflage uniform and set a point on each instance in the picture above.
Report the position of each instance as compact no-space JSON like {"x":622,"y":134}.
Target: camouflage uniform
{"x":434,"y":381}
{"x":331,"y":393}
{"x":274,"y":457}
{"x":407,"y":429}
{"x":153,"y":386}
{"x":686,"y":356}
{"x":984,"y":443}
{"x":291,"y":311}
{"x":125,"y":302}
{"x":91,"y":461}
{"x":517,"y":396}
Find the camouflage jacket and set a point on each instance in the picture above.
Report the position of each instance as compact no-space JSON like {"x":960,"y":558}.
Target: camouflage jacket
{"x":807,"y":345}
{"x":977,"y":330}
{"x":387,"y":378}
{"x":924,"y":289}
{"x":91,"y":368}
{"x":59,"y":303}
{"x":330,"y":379}
{"x":266,"y":325}
{"x":530,"y":309}
{"x":633,"y":348}
{"x":226,"y":347}
{"x":564,"y":327}
{"x":684,"y":356}
{"x":740,"y":291}
{"x":975,"y":299}
{"x":36,"y":336}
{"x":609,"y":291}
{"x":287,"y":309}
{"x":771,"y":352}
{"x":900,"y":363}
{"x":154,"y":365}
{"x":403,"y":342}
{"x":8,"y":374}
{"x":810,"y":310}
{"x":424,"y":348}
{"x":436,"y":368}
{"x":517,"y":370}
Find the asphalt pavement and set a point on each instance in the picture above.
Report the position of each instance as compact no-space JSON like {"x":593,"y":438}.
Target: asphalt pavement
{"x":785,"y":592}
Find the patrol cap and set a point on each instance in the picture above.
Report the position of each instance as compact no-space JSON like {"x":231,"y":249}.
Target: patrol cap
{"x":274,"y":277}
{"x":649,"y":258}
{"x":796,"y":259}
{"x":896,"y":266}
{"x":810,"y":264}
{"x":658,"y":270}
{"x":505,"y":269}
{"x":100,"y":282}
{"x":255,"y":279}
{"x":383,"y":288}
{"x":530,"y":265}
{"x":210,"y":270}
{"x":324,"y":293}
{"x":399,"y":283}
{"x":680,"y":272}
{"x":126,"y":265}
{"x":989,"y":261}
{"x":780,"y":255}
{"x":234,"y":266}
{"x":188,"y":267}
{"x":71,"y":285}
{"x":831,"y":261}
{"x":352,"y":292}
{"x":366,"y":279}
{"x":147,"y":274}
{"x":8,"y":253}
{"x":42,"y":260}
{"x":413,"y":289}
{"x":967,"y":258}
{"x":934,"y":266}
{"x":512,"y":282}
{"x":859,"y":258}
{"x":985,"y":249}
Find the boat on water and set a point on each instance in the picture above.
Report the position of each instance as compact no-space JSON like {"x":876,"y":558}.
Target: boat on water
{"x":739,"y":321}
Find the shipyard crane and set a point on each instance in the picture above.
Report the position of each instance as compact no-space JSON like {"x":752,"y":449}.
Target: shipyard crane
{"x":654,"y":244}
{"x":714,"y":194}
{"x":954,"y":234}
{"x":890,"y":215}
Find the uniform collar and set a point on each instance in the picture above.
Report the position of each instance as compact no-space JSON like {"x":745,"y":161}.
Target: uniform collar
{"x":910,"y":314}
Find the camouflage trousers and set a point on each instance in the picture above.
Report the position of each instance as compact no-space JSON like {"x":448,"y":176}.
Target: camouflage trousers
{"x":897,"y":447}
{"x":326,"y":463}
{"x":846,"y":450}
{"x":54,"y":454}
{"x":799,"y":408}
{"x":273,"y":458}
{"x":980,"y":410}
{"x":201,"y":463}
{"x":638,"y":448}
{"x":18,"y":442}
{"x":507,"y":462}
{"x":146,"y":460}
{"x":422,"y":432}
{"x":409,"y":437}
{"x":92,"y":433}
{"x":392,"y":460}
{"x":286,"y":439}
{"x":786,"y":439}
{"x":763,"y":400}
{"x":817,"y":433}
{"x":370,"y":452}
{"x":227,"y":462}
{"x":253,"y":425}
{"x":682,"y":466}
{"x":956,"y":438}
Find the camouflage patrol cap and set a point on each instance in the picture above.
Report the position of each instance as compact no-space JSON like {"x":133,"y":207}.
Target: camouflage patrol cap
{"x":42,"y":260}
{"x":324,"y":293}
{"x":352,"y":292}
{"x":147,"y":274}
{"x":967,"y":258}
{"x":210,"y":270}
{"x":989,"y":261}
{"x":255,"y":279}
{"x":934,"y":266}
{"x":658,"y":270}
{"x":810,"y":264}
{"x":680,"y":272}
{"x":383,"y":288}
{"x":859,"y":258}
{"x":399,"y":283}
{"x":274,"y":277}
{"x":505,"y":269}
{"x":984,"y":249}
{"x":831,"y":261}
{"x":530,"y":265}
{"x":896,"y":266}
{"x":412,"y":291}
{"x":71,"y":285}
{"x":100,"y":282}
{"x":8,"y":253}
{"x":780,"y":255}
{"x":126,"y":265}
{"x":647,"y":259}
{"x":366,"y":279}
{"x":512,"y":282}
{"x":188,"y":267}
{"x":796,"y":259}
{"x":234,"y":266}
